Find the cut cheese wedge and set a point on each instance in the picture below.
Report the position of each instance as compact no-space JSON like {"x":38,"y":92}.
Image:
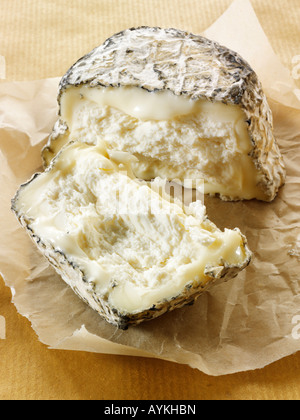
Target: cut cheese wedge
{"x":127,"y":249}
{"x":184,"y":106}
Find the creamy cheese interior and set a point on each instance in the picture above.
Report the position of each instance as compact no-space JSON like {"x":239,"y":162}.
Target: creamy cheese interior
{"x":135,"y":247}
{"x":172,"y":136}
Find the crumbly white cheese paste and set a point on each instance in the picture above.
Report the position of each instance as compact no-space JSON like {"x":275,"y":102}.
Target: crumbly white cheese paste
{"x":173,"y":137}
{"x":134,"y":247}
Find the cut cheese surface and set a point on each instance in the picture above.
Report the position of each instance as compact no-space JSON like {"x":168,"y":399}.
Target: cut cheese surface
{"x":173,"y":137}
{"x":122,"y":245}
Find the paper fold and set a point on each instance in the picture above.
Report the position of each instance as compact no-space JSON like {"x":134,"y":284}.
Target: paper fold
{"x":249,"y":39}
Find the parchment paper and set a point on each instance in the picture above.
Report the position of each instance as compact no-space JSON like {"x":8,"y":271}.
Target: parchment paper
{"x":244,"y":324}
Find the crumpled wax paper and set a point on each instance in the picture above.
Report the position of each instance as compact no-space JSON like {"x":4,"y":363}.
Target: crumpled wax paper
{"x":243,"y":324}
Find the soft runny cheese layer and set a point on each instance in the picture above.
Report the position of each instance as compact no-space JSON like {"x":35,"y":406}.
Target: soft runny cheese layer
{"x":134,"y":247}
{"x":173,"y":137}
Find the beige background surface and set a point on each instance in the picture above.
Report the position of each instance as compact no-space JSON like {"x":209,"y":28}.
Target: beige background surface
{"x":41,"y":39}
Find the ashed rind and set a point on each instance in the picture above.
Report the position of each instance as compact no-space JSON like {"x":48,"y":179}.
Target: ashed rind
{"x":153,"y":58}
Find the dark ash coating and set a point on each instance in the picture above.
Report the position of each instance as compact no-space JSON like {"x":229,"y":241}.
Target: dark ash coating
{"x":160,"y":59}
